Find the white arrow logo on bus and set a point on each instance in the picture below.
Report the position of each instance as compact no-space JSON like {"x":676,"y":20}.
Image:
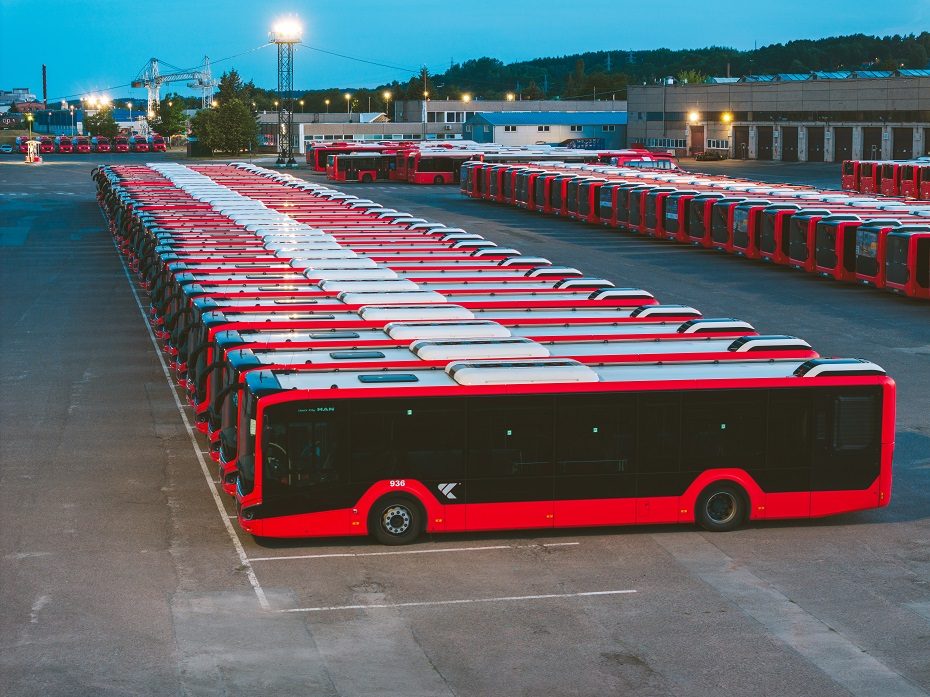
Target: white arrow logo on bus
{"x":447,"y":490}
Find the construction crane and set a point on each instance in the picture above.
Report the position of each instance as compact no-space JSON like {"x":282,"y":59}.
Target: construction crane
{"x":151,"y":78}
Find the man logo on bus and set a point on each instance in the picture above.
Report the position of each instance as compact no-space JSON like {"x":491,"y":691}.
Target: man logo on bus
{"x":447,"y":490}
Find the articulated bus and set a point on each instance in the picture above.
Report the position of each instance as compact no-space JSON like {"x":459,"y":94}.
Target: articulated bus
{"x":501,"y":445}
{"x":318,"y":154}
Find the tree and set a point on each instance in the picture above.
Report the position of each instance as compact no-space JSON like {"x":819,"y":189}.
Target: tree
{"x":101,"y":123}
{"x":691,"y":77}
{"x":169,"y":117}
{"x":229,"y":128}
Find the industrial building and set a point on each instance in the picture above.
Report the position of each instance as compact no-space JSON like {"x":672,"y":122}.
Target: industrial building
{"x":421,"y":119}
{"x":601,"y":129}
{"x":816,"y":117}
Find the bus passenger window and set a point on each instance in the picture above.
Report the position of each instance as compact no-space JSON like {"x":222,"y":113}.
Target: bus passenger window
{"x":853,"y":423}
{"x":510,"y":437}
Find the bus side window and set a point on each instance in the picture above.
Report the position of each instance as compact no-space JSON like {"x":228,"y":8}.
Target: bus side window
{"x":510,"y":436}
{"x":595,"y":434}
{"x":723,"y":429}
{"x":853,"y":423}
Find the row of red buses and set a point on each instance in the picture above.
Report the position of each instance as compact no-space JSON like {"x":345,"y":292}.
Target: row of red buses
{"x":813,"y":231}
{"x":905,"y":178}
{"x":71,"y":144}
{"x":359,"y":370}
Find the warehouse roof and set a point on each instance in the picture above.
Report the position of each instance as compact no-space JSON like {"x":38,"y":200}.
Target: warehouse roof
{"x":552,"y":118}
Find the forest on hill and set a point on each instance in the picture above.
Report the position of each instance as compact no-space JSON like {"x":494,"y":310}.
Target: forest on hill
{"x":606,"y":74}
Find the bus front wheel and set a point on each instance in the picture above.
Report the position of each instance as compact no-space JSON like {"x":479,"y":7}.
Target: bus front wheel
{"x":722,"y":507}
{"x":396,"y":520}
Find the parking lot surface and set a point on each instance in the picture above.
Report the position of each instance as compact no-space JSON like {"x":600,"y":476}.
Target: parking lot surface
{"x":121,"y":572}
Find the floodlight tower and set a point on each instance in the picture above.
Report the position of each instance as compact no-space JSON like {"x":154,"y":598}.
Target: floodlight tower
{"x":285,"y":33}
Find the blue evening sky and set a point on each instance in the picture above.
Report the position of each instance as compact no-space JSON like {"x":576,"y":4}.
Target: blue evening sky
{"x":100,"y":45}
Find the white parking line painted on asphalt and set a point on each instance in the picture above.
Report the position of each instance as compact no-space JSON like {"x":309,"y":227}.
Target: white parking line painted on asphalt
{"x":463,"y":601}
{"x":441,"y":550}
{"x":236,"y":542}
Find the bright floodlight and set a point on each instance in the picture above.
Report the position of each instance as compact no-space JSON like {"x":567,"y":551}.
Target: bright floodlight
{"x":286,"y":30}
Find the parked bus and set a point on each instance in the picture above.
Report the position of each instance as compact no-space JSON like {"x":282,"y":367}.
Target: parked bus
{"x":63,"y":144}
{"x":46,"y":144}
{"x":81,"y":144}
{"x":362,"y":167}
{"x":429,"y":167}
{"x":157,"y":143}
{"x":138,"y":144}
{"x":907,"y":261}
{"x":100,"y":144}
{"x":486,"y":445}
{"x":121,"y":144}
{"x":318,"y":154}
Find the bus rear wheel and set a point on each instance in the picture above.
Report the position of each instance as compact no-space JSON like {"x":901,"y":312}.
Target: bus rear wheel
{"x":366,"y":179}
{"x":438,"y":180}
{"x":722,"y":507}
{"x":396,"y":520}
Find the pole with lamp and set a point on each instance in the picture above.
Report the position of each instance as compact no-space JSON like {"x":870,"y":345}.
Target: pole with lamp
{"x":326,"y":102}
{"x":129,"y":106}
{"x":285,"y":33}
{"x":387,"y":103}
{"x":348,"y":103}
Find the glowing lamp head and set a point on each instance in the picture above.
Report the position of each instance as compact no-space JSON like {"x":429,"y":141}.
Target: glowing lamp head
{"x":727,"y":117}
{"x":693,"y":117}
{"x":286,"y":30}
{"x":466,"y":97}
{"x":510,"y":96}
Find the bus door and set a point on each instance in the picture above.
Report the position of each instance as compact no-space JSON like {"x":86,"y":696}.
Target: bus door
{"x":594,"y":457}
{"x":510,"y":462}
{"x":304,"y":468}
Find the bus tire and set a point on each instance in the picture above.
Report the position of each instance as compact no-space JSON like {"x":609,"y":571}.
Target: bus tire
{"x":366,"y":179}
{"x":438,"y":180}
{"x":396,"y":520}
{"x":721,"y":507}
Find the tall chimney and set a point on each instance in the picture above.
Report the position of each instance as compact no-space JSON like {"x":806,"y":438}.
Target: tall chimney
{"x":44,"y":86}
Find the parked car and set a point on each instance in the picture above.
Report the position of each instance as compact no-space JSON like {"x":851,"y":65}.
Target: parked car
{"x":6,"y":148}
{"x":710,"y":155}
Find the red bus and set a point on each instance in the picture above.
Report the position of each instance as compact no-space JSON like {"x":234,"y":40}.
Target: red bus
{"x":81,"y":144}
{"x":870,"y":177}
{"x":46,"y":144}
{"x":801,"y":232}
{"x":138,"y":144}
{"x":486,"y":445}
{"x":63,"y":143}
{"x":365,"y":167}
{"x":100,"y":144}
{"x":432,"y":353}
{"x":318,"y":154}
{"x":157,"y":143}
{"x":849,"y":175}
{"x":21,"y":144}
{"x":871,"y":238}
{"x":637,"y":158}
{"x":121,"y":144}
{"x":835,"y":247}
{"x":429,"y":167}
{"x":907,"y":261}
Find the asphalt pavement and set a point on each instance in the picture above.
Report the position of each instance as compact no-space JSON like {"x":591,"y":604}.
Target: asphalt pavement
{"x":122,"y":574}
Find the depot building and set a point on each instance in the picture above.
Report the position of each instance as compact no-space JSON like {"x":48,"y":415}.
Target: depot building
{"x":816,"y":117}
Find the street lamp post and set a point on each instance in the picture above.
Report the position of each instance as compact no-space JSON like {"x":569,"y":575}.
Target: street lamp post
{"x":129,"y":106}
{"x":326,"y":102}
{"x":71,"y":109}
{"x":348,"y":103}
{"x":301,"y":102}
{"x":387,"y":103}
